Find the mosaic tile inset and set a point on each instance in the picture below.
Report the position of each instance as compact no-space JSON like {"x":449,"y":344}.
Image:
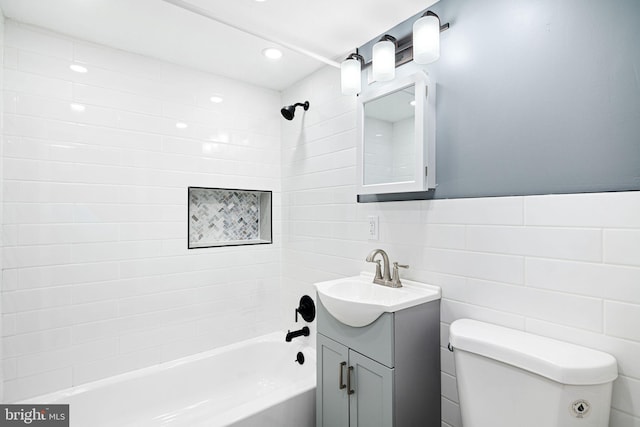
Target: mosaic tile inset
{"x":218,"y":216}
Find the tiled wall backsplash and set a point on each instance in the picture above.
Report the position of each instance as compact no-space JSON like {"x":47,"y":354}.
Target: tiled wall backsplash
{"x":97,"y":277}
{"x":223,"y":217}
{"x":564,"y":266}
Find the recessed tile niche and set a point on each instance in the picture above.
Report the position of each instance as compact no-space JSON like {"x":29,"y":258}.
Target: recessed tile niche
{"x":228,"y":217}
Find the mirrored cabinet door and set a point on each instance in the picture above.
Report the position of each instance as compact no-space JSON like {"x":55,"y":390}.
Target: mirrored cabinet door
{"x":397,"y":136}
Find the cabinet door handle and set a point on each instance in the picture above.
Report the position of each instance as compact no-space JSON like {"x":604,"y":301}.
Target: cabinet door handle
{"x":342,"y":384}
{"x":349,"y":391}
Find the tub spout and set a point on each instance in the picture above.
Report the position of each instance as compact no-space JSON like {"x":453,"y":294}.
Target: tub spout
{"x":300,"y":332}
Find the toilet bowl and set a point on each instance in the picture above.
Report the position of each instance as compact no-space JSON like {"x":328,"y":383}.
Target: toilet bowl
{"x":509,"y":378}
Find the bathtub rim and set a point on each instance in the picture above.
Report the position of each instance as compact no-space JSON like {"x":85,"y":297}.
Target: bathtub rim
{"x":276,"y":336}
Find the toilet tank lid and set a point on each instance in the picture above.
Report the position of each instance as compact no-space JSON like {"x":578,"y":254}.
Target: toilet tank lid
{"x":557,"y":360}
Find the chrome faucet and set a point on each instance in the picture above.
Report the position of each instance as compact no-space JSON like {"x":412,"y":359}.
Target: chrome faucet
{"x":385,"y":279}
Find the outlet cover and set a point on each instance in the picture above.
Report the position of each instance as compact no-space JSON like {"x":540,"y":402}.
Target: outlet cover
{"x":373,"y":223}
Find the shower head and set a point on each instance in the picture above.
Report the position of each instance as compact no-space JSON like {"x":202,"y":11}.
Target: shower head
{"x":288,"y":112}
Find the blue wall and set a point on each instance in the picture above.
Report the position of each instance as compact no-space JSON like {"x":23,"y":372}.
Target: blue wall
{"x":538,"y":97}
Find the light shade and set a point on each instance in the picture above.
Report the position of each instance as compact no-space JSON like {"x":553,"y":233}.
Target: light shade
{"x":384,"y":60}
{"x":350,"y":76}
{"x":426,"y":39}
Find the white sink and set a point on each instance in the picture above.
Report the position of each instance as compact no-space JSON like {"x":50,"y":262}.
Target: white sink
{"x":357,"y":301}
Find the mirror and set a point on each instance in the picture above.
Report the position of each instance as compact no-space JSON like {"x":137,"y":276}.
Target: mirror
{"x":389,"y":122}
{"x":397,"y":136}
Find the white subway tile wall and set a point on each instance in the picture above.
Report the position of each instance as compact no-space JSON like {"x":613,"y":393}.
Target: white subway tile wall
{"x":564,"y":266}
{"x":97,"y":278}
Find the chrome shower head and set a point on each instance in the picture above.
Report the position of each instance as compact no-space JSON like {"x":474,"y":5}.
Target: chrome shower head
{"x":288,"y":112}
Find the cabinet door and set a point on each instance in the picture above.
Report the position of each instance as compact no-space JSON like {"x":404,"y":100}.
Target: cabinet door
{"x":332,"y":403}
{"x":371,"y":404}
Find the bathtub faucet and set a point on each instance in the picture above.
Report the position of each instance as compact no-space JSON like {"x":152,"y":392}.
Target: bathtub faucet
{"x":300,"y":332}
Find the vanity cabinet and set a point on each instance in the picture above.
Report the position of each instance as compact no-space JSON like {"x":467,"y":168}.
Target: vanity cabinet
{"x":342,"y":369}
{"x":384,"y":374}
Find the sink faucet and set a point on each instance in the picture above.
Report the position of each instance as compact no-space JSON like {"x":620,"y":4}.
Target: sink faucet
{"x":386,"y":279}
{"x":379,"y":278}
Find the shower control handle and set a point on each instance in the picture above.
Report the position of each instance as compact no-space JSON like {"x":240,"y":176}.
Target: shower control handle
{"x":306,"y":308}
{"x":341,"y":383}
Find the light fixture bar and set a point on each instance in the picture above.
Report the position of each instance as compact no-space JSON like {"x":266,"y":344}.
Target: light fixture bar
{"x":205,"y":13}
{"x":403,"y":32}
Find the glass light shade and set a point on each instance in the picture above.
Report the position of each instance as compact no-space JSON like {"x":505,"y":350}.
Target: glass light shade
{"x":350,"y":76}
{"x":384,"y":61}
{"x":426,"y":40}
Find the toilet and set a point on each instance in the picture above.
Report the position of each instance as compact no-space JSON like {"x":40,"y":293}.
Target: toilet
{"x":510,"y":378}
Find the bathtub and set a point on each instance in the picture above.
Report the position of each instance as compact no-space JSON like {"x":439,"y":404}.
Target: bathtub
{"x":253,"y":383}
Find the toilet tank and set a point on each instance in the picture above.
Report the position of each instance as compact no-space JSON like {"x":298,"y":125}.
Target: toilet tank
{"x":510,"y":378}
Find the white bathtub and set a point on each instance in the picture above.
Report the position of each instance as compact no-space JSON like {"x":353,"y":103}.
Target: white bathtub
{"x":252,"y":383}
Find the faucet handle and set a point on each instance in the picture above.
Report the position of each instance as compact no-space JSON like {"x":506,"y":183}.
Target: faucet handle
{"x":395,"y":280}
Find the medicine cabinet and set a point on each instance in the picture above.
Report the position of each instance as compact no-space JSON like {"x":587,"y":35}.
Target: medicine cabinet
{"x":396,"y":122}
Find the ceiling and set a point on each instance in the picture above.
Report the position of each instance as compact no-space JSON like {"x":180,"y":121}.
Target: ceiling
{"x":330,"y":28}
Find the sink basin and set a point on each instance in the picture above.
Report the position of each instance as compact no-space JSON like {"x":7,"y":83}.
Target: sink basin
{"x":357,"y":301}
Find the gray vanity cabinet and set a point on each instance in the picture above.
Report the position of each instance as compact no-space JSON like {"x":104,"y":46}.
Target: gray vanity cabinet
{"x":355,"y":391}
{"x":386,"y":374}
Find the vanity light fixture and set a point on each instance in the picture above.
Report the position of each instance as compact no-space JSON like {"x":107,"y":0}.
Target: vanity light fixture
{"x":384,"y":59}
{"x":426,"y":38}
{"x":351,"y":74}
{"x":422,"y":46}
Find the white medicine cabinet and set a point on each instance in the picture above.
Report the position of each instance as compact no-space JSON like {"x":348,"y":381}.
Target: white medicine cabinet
{"x":396,"y":149}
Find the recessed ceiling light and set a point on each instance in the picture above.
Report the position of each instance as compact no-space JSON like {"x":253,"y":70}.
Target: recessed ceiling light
{"x":216,"y":99}
{"x":78,"y":68}
{"x":412,"y":103}
{"x":272,"y":53}
{"x":181,"y":125}
{"x":77,"y":107}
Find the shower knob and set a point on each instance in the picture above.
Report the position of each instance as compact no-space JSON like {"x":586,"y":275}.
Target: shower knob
{"x":307,"y":309}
